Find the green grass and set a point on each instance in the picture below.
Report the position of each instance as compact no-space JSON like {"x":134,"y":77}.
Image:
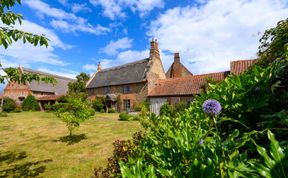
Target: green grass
{"x":35,"y":144}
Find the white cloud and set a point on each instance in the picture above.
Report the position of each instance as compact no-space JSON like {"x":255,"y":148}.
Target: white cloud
{"x":25,"y":54}
{"x":209,"y":36}
{"x":80,"y":8}
{"x":114,"y":8}
{"x":64,"y":73}
{"x":122,"y":58}
{"x":68,"y":22}
{"x":114,"y":46}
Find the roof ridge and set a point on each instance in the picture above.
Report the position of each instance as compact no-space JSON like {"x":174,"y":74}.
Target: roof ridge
{"x":124,"y":65}
{"x":45,"y":73}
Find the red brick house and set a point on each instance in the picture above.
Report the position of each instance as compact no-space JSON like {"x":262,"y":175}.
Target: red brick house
{"x":126,"y":85}
{"x":43,"y":92}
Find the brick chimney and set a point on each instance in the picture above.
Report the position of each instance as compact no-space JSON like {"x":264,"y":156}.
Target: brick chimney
{"x":154,"y":50}
{"x":176,"y":58}
{"x":99,"y":69}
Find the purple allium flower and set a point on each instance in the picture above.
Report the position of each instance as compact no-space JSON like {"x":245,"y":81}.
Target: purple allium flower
{"x":201,"y":142}
{"x":211,"y":107}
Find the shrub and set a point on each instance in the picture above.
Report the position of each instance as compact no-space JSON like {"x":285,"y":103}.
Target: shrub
{"x":18,"y":109}
{"x":166,"y":109}
{"x":111,"y":110}
{"x":9,"y":105}
{"x":48,"y":107}
{"x":122,"y":149}
{"x":102,"y":111}
{"x":30,"y":104}
{"x":98,"y":104}
{"x":124,"y":116}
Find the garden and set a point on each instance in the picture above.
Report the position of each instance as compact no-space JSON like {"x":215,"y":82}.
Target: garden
{"x":37,"y":144}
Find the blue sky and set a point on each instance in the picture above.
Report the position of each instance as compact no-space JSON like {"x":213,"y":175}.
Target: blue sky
{"x":208,"y":34}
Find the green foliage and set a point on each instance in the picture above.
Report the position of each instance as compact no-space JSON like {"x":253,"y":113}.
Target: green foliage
{"x":73,"y":112}
{"x":80,"y":84}
{"x":8,"y":33}
{"x":191,"y":144}
{"x":274,"y":164}
{"x":124,"y":116}
{"x":30,"y":104}
{"x":9,"y":105}
{"x":18,"y":109}
{"x":111,"y":110}
{"x":170,"y":110}
{"x":98,"y":104}
{"x":48,"y":107}
{"x":273,"y":43}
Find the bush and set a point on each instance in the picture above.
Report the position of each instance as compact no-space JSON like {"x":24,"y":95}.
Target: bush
{"x":111,"y":110}
{"x":124,"y":116}
{"x":18,"y":109}
{"x":48,"y":107}
{"x":102,"y":111}
{"x":122,"y":149}
{"x":98,"y":104}
{"x":9,"y":105}
{"x":30,"y":104}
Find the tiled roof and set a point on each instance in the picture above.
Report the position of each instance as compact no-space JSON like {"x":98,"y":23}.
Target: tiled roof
{"x":60,"y":88}
{"x":184,"y":86}
{"x":49,"y":98}
{"x":128,"y":73}
{"x":240,"y":66}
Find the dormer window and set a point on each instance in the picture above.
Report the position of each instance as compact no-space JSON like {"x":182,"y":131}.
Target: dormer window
{"x":126,"y":89}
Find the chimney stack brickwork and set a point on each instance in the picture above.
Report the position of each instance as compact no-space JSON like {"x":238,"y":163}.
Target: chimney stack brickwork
{"x":154,"y":50}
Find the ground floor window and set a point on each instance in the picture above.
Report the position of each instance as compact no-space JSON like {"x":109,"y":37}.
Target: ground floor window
{"x":126,"y":105}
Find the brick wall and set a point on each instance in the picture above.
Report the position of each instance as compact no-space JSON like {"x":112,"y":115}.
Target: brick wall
{"x":137,"y":94}
{"x":15,"y":90}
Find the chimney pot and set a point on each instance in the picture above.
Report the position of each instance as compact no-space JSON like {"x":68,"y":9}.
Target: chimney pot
{"x":176,"y":57}
{"x":99,"y":67}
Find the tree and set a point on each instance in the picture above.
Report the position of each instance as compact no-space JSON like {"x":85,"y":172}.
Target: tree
{"x":80,"y":84}
{"x":8,"y":33}
{"x":273,"y":43}
{"x":74,"y":112}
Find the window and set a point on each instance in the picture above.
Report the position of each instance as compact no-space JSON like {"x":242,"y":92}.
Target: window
{"x":126,"y":105}
{"x":107,"y":90}
{"x":126,"y":89}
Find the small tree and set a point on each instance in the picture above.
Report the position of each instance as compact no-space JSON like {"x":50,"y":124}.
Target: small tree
{"x":9,"y":104}
{"x":74,"y":112}
{"x":98,"y":104}
{"x":30,"y":104}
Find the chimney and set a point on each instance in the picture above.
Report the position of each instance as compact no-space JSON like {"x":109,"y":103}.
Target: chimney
{"x":154,"y":50}
{"x":176,"y":57}
{"x":99,"y":69}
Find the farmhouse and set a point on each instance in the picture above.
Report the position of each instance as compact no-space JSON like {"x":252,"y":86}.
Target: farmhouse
{"x":124,"y":86}
{"x":43,"y":92}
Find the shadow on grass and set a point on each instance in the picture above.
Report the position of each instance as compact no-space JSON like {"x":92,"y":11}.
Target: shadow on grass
{"x":72,"y":139}
{"x":20,"y":169}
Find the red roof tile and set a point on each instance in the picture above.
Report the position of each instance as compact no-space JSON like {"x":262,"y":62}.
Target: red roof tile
{"x":184,"y":86}
{"x":238,"y":67}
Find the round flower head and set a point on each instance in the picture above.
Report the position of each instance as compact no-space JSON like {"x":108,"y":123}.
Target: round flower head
{"x":201,"y":142}
{"x":211,"y":107}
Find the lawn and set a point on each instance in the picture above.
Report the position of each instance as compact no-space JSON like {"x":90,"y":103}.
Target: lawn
{"x":34,"y":144}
